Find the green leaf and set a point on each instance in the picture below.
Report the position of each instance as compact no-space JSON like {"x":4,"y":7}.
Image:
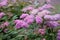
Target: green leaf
{"x":14,"y":17}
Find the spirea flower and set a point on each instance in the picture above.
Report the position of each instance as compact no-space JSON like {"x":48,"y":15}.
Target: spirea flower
{"x":18,"y":25}
{"x":52,"y":24}
{"x":6,"y":23}
{"x":21,"y":24}
{"x":3,"y":2}
{"x":42,"y":31}
{"x":34,"y":11}
{"x":24,"y":9}
{"x":2,"y":14}
{"x":23,"y":15}
{"x":58,"y":35}
{"x":38,"y":19}
{"x":57,"y":16}
{"x":40,"y":9}
{"x":16,"y":21}
{"x":28,"y":8}
{"x":49,"y":17}
{"x":2,"y":26}
{"x":43,"y":13}
{"x":46,"y":12}
{"x":29,"y":19}
{"x":25,"y":25}
{"x":52,"y":17}
{"x":45,"y":6}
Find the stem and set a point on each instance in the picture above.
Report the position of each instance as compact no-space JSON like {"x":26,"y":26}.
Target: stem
{"x":42,"y":25}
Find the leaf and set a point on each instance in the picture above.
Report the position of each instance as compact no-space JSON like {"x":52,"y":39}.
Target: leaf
{"x":5,"y":18}
{"x":14,"y":17}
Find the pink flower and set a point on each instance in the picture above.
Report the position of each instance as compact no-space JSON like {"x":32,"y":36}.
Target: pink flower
{"x":21,"y":24}
{"x":25,"y":25}
{"x":2,"y":26}
{"x":52,"y":24}
{"x":24,"y":9}
{"x":23,"y":15}
{"x":6,"y":23}
{"x":2,"y":14}
{"x":38,"y":20}
{"x":41,"y":8}
{"x":46,"y":6}
{"x":43,"y":13}
{"x":46,"y":12}
{"x":5,"y":30}
{"x":55,"y":17}
{"x":41,"y":31}
{"x":29,"y":19}
{"x":34,"y":11}
{"x":28,"y":8}
{"x":3,"y":3}
{"x":16,"y":21}
{"x":49,"y":17}
{"x":18,"y":25}
{"x":58,"y":35}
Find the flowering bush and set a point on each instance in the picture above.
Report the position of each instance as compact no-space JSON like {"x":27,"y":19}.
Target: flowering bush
{"x":21,"y":22}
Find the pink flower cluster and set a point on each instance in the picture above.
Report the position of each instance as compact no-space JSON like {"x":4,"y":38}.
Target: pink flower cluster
{"x":38,"y":20}
{"x":2,"y":14}
{"x":40,"y":15}
{"x":28,"y":8}
{"x":42,"y":31}
{"x":20,"y":24}
{"x":58,"y":35}
{"x":46,"y":6}
{"x":4,"y":24}
{"x":27,"y":20}
{"x":3,"y":3}
{"x":52,"y":17}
